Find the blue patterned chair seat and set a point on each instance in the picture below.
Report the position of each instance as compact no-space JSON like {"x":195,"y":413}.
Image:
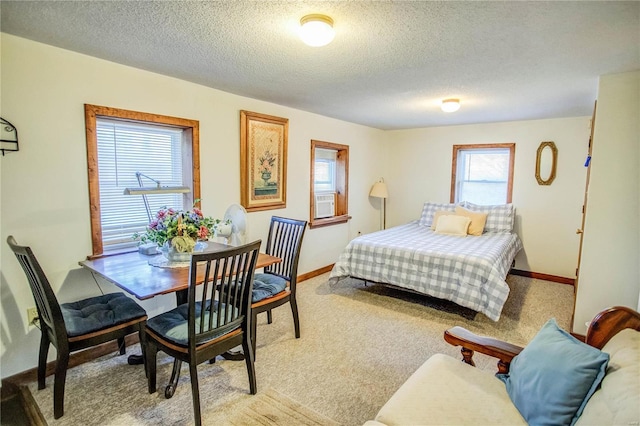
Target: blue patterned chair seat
{"x":100,"y":312}
{"x":173,"y":325}
{"x":267,"y":285}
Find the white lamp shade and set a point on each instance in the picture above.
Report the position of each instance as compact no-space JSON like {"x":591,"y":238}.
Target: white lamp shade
{"x":316,"y":30}
{"x":450,"y":105}
{"x":379,"y":190}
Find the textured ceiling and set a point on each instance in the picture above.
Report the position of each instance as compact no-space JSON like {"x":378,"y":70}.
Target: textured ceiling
{"x":389,"y":65}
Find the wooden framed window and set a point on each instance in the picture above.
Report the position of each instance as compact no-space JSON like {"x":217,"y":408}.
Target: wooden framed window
{"x":482,"y":173}
{"x":329,"y":192}
{"x":123,"y":144}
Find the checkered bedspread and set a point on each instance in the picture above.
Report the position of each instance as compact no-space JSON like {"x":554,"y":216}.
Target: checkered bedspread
{"x":469,"y":271}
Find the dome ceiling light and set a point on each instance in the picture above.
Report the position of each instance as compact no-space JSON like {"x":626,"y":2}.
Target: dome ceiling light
{"x":450,"y":105}
{"x":316,"y":30}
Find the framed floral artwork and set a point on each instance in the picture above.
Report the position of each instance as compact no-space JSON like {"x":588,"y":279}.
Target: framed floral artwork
{"x":263,"y":161}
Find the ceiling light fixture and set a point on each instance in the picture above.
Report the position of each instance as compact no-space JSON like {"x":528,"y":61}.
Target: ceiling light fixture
{"x":450,"y":105}
{"x":316,"y":30}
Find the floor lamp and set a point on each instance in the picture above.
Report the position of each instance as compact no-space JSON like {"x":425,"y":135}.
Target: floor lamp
{"x":379,"y":190}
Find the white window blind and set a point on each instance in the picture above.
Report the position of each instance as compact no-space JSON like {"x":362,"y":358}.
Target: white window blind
{"x":482,"y":175}
{"x":324,"y":172}
{"x":125,"y":148}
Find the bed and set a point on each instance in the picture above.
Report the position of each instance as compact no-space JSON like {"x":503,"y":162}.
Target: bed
{"x":468,"y":270}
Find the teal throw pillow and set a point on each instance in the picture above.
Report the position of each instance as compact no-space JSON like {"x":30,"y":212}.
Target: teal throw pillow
{"x":554,"y":376}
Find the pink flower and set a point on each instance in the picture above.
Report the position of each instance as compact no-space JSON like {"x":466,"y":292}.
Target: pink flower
{"x":203,"y":232}
{"x":197,"y":211}
{"x":153,"y":224}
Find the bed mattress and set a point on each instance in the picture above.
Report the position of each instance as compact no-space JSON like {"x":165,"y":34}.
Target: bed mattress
{"x":469,"y":271}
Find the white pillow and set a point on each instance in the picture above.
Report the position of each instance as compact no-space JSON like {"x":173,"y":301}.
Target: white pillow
{"x":439,"y":213}
{"x":453,"y":225}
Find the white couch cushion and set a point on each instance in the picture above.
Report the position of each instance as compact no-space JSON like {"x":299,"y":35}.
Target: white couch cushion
{"x":447,"y":391}
{"x":617,"y":402}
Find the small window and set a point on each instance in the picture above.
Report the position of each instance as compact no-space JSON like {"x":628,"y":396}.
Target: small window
{"x":128,"y":149}
{"x":329,"y":183}
{"x":482,"y":174}
{"x":325,"y":170}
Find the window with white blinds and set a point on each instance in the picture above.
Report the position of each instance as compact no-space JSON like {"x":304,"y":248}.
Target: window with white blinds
{"x":483,"y":174}
{"x":124,"y":148}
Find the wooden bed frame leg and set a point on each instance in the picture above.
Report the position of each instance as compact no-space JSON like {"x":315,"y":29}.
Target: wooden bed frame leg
{"x":467,"y":356}
{"x":503,"y":367}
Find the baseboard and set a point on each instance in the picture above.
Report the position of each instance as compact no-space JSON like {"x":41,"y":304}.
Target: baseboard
{"x":315,"y":273}
{"x":546,"y":277}
{"x":75,"y":359}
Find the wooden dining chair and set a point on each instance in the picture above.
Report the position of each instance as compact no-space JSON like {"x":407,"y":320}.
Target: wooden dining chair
{"x":277,"y":285}
{"x":74,"y":326}
{"x":214,"y":319}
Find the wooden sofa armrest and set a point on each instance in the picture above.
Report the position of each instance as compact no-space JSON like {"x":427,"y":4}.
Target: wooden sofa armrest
{"x":470,"y":342}
{"x":609,"y":322}
{"x":603,"y":327}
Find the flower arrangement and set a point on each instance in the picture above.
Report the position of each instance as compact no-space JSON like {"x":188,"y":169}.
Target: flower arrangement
{"x":266,"y":162}
{"x":181,"y":228}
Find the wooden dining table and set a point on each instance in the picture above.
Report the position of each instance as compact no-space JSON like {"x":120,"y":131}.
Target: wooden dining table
{"x":136,"y":274}
{"x":133,"y":273}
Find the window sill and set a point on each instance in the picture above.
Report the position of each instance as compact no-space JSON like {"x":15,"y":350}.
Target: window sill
{"x":335,"y":220}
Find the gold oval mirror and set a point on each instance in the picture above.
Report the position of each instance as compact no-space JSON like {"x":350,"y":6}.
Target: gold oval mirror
{"x":546,"y":163}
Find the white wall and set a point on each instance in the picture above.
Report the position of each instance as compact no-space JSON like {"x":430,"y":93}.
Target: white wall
{"x":610,"y":264}
{"x":546,"y":216}
{"x":44,"y":188}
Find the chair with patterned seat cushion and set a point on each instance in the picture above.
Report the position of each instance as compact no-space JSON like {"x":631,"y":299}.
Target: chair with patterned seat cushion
{"x":74,"y":326}
{"x":277,"y":285}
{"x":214,"y":319}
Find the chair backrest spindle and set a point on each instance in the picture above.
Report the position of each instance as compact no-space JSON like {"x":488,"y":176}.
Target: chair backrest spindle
{"x":224,"y":292}
{"x":285,"y":241}
{"x":49,"y":312}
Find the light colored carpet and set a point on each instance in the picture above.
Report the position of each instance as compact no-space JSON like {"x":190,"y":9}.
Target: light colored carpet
{"x":358,"y":345}
{"x":272,"y":409}
{"x":103,"y":393}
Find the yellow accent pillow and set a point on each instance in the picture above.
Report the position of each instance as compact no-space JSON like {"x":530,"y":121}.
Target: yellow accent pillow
{"x":453,"y":225}
{"x":478,"y":220}
{"x":436,"y":215}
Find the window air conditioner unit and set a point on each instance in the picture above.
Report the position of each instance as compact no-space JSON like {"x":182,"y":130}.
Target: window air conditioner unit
{"x":325,"y":205}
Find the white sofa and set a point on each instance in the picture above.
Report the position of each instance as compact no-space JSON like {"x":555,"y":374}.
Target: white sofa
{"x":446,"y":391}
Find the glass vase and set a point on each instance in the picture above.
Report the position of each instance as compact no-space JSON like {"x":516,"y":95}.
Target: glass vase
{"x":174,"y":255}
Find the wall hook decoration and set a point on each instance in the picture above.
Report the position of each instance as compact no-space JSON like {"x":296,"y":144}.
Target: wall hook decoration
{"x":8,"y":136}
